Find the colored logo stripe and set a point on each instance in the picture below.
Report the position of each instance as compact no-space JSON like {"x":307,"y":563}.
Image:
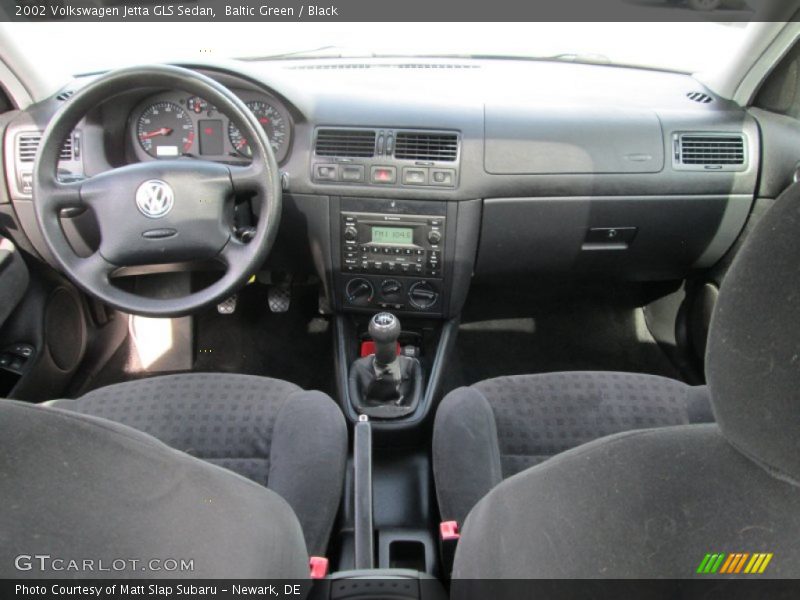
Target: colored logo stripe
{"x":734,"y":563}
{"x":710,"y":563}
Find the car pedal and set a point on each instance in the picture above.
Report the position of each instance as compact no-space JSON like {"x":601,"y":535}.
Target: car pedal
{"x":228,"y":306}
{"x":279,"y":297}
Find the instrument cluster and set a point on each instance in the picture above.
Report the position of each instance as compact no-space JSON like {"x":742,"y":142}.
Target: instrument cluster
{"x":170,"y":125}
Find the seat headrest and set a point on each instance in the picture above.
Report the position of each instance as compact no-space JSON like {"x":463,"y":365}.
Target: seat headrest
{"x":753,"y":356}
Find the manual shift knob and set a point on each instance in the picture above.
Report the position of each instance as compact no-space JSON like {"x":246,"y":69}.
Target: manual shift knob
{"x":384,"y":329}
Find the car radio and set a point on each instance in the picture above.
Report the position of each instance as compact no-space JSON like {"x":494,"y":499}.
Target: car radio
{"x":393,"y":244}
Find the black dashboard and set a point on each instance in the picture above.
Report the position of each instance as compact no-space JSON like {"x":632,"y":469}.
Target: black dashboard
{"x":448,"y":169}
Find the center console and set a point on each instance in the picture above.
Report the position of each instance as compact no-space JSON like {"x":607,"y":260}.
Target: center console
{"x":392,"y":255}
{"x":412,"y":259}
{"x":396,"y":260}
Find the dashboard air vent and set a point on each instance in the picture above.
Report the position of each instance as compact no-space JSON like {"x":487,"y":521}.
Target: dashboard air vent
{"x":353,"y":143}
{"x":362,"y":66}
{"x":700,"y":97}
{"x":28,"y":144}
{"x":710,"y":150}
{"x":413,"y":145}
{"x":65,"y":95}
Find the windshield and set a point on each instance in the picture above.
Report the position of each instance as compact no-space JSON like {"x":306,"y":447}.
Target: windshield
{"x":100,"y":46}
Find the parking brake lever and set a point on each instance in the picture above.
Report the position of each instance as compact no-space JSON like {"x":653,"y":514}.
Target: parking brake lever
{"x":362,"y":496}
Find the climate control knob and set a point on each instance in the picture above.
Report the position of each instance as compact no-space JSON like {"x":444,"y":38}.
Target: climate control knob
{"x":359,"y":292}
{"x":391,"y":290}
{"x":422,"y":295}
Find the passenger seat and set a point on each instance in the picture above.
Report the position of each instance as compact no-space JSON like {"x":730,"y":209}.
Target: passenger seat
{"x":496,"y":428}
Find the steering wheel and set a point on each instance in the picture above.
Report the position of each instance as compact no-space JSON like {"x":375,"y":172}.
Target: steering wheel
{"x":164,"y":211}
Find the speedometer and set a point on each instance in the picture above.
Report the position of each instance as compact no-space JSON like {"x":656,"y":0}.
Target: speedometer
{"x":273,"y":123}
{"x":165,"y":130}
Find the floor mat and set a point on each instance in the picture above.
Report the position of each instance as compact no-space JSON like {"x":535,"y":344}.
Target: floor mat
{"x":295,"y":345}
{"x":559,"y":327}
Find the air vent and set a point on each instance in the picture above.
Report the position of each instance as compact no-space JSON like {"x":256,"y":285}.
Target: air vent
{"x":710,"y":151}
{"x":362,"y":66}
{"x":412,"y":145}
{"x":700,"y":97}
{"x":350,"y":143}
{"x":28,"y":144}
{"x":65,"y":95}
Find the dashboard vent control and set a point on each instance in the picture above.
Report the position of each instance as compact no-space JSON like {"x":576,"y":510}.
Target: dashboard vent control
{"x":411,"y":145}
{"x":710,"y":151}
{"x":346,"y":143}
{"x":700,"y":97}
{"x":28,"y":144}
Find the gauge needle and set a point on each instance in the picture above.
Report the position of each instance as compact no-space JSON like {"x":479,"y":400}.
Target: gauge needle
{"x":154,"y":133}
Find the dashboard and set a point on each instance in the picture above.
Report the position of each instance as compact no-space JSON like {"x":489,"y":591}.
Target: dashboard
{"x":406,"y":180}
{"x":170,"y":125}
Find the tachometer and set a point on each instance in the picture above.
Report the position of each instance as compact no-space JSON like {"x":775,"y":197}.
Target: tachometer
{"x":273,"y":123}
{"x":165,"y":130}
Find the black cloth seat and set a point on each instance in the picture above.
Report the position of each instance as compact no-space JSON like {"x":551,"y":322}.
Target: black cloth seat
{"x":270,"y":431}
{"x":496,"y":428}
{"x":79,"y":488}
{"x":651,"y":503}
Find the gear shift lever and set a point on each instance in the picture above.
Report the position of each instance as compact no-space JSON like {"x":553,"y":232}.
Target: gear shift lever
{"x":385,"y":385}
{"x":384,"y":329}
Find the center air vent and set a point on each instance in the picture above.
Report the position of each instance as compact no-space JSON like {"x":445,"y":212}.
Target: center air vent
{"x":28,"y":144}
{"x":350,"y":143}
{"x":415,"y":145}
{"x":718,"y":151}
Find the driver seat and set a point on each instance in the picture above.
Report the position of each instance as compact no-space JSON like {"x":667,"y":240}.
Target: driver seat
{"x":266,"y":430}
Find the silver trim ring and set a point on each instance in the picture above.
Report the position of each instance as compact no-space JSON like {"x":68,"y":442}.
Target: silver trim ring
{"x":154,"y":198}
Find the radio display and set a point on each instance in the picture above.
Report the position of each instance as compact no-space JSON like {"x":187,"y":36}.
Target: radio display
{"x":393,"y":235}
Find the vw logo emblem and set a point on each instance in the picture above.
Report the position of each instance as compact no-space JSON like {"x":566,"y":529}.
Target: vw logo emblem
{"x":155,"y":198}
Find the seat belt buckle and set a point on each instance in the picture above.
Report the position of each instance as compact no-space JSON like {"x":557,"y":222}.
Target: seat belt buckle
{"x":448,"y":540}
{"x":318,"y":566}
